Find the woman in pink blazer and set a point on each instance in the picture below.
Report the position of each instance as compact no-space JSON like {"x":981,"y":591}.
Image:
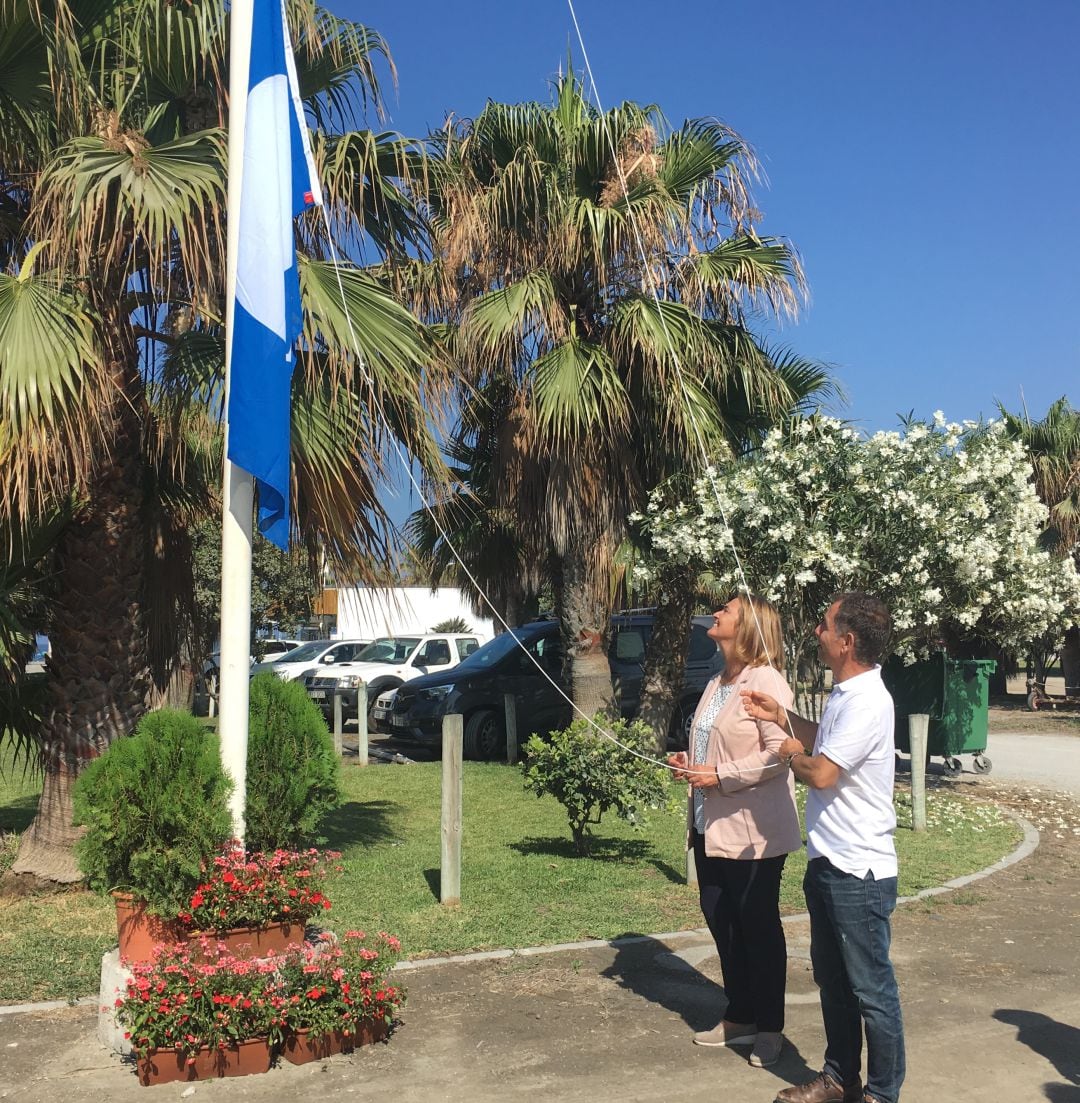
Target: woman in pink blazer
{"x":742,"y":825}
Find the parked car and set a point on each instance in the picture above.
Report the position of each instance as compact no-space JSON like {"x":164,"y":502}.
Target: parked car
{"x":272,"y":650}
{"x":516,"y":662}
{"x":310,"y":656}
{"x":387,"y":663}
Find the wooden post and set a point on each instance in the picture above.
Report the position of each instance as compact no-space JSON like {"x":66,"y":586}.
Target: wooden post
{"x":450,"y":864}
{"x":361,"y":724}
{"x":691,"y":866}
{"x":918,"y":727}
{"x":211,"y":695}
{"x":338,"y":723}
{"x":510,"y":707}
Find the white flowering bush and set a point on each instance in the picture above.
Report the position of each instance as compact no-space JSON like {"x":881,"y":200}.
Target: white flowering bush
{"x":940,"y":520}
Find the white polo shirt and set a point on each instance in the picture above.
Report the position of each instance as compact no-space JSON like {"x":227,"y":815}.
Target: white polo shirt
{"x":852,"y":823}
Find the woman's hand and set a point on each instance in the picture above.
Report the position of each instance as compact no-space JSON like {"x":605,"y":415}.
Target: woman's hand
{"x":678,"y":763}
{"x":702,"y":778}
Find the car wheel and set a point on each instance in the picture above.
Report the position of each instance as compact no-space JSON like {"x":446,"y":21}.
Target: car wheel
{"x":682,"y":722}
{"x":484,"y":736}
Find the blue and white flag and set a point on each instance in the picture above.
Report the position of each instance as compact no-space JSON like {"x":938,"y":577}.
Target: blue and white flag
{"x":279,"y":181}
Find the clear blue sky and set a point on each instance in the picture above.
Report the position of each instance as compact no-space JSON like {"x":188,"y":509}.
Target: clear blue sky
{"x":922,"y":156}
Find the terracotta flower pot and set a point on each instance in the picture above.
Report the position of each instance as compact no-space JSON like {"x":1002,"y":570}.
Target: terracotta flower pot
{"x":300,"y":1046}
{"x":138,"y":930}
{"x":252,"y":942}
{"x":242,"y":1059}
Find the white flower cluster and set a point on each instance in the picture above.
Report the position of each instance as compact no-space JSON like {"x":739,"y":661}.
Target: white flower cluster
{"x":940,"y":520}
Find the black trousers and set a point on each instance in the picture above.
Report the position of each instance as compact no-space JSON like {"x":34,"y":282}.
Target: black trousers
{"x":740,"y":899}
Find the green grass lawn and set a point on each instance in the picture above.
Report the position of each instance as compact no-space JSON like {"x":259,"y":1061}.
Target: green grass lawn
{"x":520,"y":883}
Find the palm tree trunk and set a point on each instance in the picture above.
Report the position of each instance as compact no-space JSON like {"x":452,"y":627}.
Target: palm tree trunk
{"x":662,"y":679}
{"x":584,"y":620}
{"x":98,"y":671}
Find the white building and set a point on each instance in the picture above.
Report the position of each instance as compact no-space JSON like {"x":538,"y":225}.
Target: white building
{"x":368,"y":612}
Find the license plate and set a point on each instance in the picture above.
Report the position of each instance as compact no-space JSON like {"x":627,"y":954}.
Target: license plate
{"x":400,"y":721}
{"x":380,"y":714}
{"x":317,"y":694}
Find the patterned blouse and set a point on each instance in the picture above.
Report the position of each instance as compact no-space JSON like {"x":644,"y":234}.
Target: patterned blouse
{"x":701,"y":743}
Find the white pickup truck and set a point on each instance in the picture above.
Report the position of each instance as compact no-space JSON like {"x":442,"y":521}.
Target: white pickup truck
{"x":385,"y":664}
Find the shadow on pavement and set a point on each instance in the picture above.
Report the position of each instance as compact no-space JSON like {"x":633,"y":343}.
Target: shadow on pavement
{"x":1058,"y":1042}
{"x":649,"y":969}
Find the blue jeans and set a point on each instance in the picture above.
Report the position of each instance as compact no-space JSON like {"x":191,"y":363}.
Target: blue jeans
{"x":849,"y":948}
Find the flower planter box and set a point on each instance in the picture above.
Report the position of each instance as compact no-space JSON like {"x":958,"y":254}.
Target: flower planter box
{"x":253,"y":942}
{"x":167,"y":1066}
{"x":139,"y":930}
{"x":301,"y":1047}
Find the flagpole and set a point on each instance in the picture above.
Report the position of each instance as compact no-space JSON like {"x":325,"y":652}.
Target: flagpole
{"x":238,"y":493}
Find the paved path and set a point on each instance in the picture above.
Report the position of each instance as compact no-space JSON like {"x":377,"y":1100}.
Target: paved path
{"x":1050,"y":760}
{"x":990,"y":979}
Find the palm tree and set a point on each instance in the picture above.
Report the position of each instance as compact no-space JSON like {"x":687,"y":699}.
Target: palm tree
{"x":112,"y":226}
{"x":1053,"y":446}
{"x":464,"y":536}
{"x":601,"y":269}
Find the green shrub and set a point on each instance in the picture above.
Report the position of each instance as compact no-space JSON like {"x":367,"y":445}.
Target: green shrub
{"x":155,"y":808}
{"x":590,"y":775}
{"x":292,"y":768}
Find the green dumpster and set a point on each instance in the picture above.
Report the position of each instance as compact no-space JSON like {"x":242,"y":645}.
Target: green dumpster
{"x":954,"y":693}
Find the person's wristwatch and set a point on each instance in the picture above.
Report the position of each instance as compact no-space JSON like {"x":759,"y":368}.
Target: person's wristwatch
{"x":791,"y":757}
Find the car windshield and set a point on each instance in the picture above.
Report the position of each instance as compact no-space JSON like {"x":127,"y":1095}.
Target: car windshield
{"x":487,"y":655}
{"x":388,"y":649}
{"x":306,"y":653}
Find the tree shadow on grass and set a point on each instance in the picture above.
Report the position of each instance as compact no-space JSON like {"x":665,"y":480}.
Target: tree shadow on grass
{"x":17,"y":814}
{"x":647,"y":967}
{"x":601,"y":849}
{"x":362,"y":823}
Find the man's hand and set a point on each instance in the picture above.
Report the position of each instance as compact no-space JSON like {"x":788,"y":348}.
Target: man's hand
{"x":790,"y":747}
{"x":763,"y":707}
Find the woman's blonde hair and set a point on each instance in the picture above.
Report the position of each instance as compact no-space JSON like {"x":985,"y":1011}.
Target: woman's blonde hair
{"x":759,"y":639}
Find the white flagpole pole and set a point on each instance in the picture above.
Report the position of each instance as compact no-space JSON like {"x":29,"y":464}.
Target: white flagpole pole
{"x":238,"y":490}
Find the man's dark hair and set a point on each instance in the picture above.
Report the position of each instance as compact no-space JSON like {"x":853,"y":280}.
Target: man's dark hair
{"x":867,"y":618}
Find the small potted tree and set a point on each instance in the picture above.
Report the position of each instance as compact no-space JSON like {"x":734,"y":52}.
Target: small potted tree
{"x":155,"y":810}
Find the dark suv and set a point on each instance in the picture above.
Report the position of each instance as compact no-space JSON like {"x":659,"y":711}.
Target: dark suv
{"x":475,"y":687}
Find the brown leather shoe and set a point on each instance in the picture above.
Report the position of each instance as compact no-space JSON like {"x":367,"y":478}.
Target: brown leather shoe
{"x":822,"y":1089}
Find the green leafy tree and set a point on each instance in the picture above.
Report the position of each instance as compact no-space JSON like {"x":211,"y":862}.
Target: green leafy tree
{"x":284,"y":585}
{"x":590,"y":776}
{"x":599,"y":271}
{"x":112,"y":172}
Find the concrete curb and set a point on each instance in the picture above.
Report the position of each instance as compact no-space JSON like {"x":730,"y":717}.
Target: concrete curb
{"x":1026,"y":847}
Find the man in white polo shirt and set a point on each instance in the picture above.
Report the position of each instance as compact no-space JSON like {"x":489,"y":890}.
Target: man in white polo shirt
{"x":847,"y":762}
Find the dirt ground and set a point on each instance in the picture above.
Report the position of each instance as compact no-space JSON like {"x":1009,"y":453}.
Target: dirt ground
{"x":990,"y":979}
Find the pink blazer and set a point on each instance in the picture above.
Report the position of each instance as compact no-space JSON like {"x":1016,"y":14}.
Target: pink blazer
{"x":752,"y":813}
